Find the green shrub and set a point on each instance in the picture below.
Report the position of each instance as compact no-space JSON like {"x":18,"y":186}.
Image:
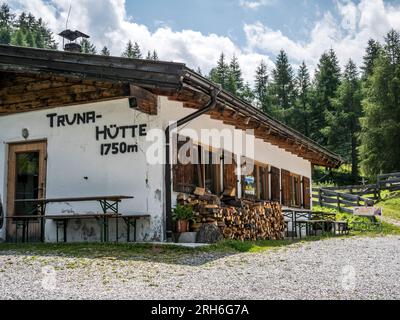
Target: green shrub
{"x":183,"y":213}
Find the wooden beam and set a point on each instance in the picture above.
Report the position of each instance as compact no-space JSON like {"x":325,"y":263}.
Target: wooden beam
{"x":147,"y":101}
{"x":66,"y":95}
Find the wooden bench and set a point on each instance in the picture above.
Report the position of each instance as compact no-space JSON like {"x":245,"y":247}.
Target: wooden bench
{"x":130,"y":220}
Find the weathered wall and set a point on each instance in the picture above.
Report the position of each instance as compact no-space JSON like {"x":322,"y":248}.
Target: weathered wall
{"x":74,"y":153}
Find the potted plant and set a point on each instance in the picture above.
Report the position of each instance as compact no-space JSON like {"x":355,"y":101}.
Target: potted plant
{"x":182,"y":215}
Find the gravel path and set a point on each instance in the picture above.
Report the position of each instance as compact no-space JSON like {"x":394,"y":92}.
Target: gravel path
{"x":351,"y":268}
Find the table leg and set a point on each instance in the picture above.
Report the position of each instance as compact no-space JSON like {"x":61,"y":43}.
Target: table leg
{"x":128,"y":227}
{"x":107,"y":230}
{"x":134,"y":225}
{"x":24,"y":230}
{"x":42,"y":229}
{"x":65,"y":230}
{"x":57,"y":225}
{"x":116,"y":229}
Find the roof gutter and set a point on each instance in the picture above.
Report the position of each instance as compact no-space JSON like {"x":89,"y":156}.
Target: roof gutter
{"x":214,"y":92}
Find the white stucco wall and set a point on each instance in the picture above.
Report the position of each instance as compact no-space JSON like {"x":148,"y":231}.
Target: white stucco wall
{"x":263,"y":152}
{"x":74,"y":153}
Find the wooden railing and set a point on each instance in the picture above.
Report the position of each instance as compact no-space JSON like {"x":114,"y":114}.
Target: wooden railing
{"x":340,"y":201}
{"x":389,"y":181}
{"x":370,"y":191}
{"x":347,"y":197}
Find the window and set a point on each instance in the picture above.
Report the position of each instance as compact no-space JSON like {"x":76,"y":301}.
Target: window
{"x":196,"y":167}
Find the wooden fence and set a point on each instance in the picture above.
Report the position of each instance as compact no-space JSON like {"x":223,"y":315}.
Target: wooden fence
{"x":347,"y":197}
{"x":340,"y":201}
{"x":389,"y":181}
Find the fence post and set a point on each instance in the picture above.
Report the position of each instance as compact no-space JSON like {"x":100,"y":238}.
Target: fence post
{"x":338,"y":201}
{"x":320,"y":197}
{"x":378,"y":185}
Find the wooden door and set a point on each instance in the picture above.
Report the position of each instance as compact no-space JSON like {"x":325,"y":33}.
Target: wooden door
{"x":26,"y":180}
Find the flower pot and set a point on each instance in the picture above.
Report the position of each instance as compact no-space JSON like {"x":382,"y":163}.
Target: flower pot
{"x":182,"y":226}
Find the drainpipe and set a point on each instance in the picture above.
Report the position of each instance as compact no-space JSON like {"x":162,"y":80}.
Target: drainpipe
{"x":168,"y":130}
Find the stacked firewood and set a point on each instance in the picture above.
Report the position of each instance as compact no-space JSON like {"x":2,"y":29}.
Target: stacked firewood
{"x":237,"y":219}
{"x":257,"y":221}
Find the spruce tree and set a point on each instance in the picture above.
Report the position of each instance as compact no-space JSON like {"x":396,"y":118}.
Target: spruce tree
{"x":247,"y":93}
{"x":6,"y":24}
{"x":149,"y":56}
{"x":18,"y":38}
{"x":220,"y":74}
{"x":88,"y":47}
{"x":236,"y":85}
{"x":327,"y":80}
{"x":137,"y":53}
{"x":155,"y":55}
{"x":303,"y":102}
{"x":261,"y":87}
{"x":283,"y":92}
{"x":128,"y":53}
{"x":371,"y":54}
{"x":105,"y":52}
{"x":380,"y":133}
{"x":343,"y":124}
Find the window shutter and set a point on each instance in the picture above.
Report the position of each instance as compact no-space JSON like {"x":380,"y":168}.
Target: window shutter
{"x":306,"y":193}
{"x":230,"y":179}
{"x":286,"y":188}
{"x":264,"y":182}
{"x":298,"y":191}
{"x":275,"y":184}
{"x":184,"y":179}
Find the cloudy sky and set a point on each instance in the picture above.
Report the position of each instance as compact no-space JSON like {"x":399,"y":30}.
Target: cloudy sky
{"x":197,"y":31}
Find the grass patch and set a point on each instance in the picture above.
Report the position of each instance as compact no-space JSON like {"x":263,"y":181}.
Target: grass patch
{"x":390,"y":204}
{"x":362,"y":225}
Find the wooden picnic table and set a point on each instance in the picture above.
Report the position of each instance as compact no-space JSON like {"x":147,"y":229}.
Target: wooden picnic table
{"x":107,"y":203}
{"x":307,"y":219}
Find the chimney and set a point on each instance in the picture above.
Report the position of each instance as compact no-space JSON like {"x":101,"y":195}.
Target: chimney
{"x":72,"y":36}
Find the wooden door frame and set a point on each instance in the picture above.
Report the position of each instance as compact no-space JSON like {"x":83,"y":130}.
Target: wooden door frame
{"x":20,"y":147}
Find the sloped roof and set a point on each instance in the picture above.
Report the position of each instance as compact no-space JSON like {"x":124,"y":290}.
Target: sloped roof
{"x":171,"y":79}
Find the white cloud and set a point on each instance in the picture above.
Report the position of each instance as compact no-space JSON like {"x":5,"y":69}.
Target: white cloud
{"x":109,"y":24}
{"x":255,"y":4}
{"x":347,"y":34}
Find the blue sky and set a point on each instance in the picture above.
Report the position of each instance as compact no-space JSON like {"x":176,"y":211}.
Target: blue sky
{"x":227,"y":17}
{"x":197,"y":31}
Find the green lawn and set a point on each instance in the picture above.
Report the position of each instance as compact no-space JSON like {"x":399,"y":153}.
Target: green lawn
{"x":391,"y":205}
{"x":355,"y":221}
